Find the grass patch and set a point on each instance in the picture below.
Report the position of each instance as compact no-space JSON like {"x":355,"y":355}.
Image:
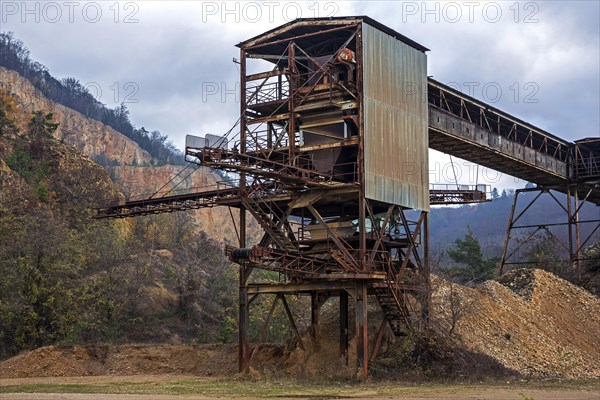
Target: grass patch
{"x":232,"y":388}
{"x":262,"y":388}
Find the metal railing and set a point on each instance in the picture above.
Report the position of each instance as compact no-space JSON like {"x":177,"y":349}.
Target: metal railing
{"x":453,"y":187}
{"x":458,"y":193}
{"x":586,"y":165}
{"x":267,"y":92}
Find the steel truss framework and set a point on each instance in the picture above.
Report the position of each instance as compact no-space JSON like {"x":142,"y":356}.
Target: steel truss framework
{"x":301,"y":131}
{"x":396,"y":277}
{"x":571,"y":206}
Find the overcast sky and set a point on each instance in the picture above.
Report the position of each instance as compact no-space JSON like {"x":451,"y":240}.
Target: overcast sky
{"x":171,"y":61}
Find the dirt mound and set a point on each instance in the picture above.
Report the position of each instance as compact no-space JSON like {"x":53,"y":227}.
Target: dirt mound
{"x":320,"y":357}
{"x":529,"y":320}
{"x":205,"y":360}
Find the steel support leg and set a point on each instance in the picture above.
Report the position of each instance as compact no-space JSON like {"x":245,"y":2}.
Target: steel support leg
{"x":244,"y":356}
{"x":314,"y":313}
{"x":344,"y":325}
{"x":244,"y":305}
{"x":507,"y":237}
{"x":362,"y":337}
{"x":426,"y":312}
{"x":577,"y":254}
{"x":378,"y":339}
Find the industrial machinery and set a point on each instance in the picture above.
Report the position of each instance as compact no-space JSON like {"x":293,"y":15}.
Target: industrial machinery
{"x":336,"y":120}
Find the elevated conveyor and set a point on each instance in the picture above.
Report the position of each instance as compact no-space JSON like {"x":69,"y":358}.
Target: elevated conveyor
{"x":465,"y":127}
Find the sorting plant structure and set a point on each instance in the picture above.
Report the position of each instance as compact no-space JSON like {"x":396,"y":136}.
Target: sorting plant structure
{"x":329,"y":154}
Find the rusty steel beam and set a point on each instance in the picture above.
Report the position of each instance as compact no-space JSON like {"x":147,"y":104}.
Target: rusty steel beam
{"x":231,"y":197}
{"x":314,"y":312}
{"x":294,"y":38}
{"x":362,"y":336}
{"x":288,"y":312}
{"x":244,"y":272}
{"x":426,"y":275}
{"x":297,"y":288}
{"x":264,"y":328}
{"x":378,"y":339}
{"x":243,"y":322}
{"x":266,"y":75}
{"x":574,"y":247}
{"x":344,"y":325}
{"x":257,"y":166}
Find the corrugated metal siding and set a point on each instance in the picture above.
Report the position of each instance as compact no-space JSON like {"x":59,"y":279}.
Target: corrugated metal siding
{"x":395,"y":121}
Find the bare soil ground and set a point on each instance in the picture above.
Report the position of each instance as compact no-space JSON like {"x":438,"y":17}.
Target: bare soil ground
{"x":485,"y":394}
{"x":198,"y":360}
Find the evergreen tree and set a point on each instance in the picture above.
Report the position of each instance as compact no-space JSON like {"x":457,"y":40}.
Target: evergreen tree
{"x":495,"y":194}
{"x":470,"y":266}
{"x":40,"y":129}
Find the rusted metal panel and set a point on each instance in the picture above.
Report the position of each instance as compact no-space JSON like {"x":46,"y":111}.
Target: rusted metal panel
{"x":518,"y":151}
{"x":561,"y":168}
{"x":497,"y":142}
{"x":453,"y":125}
{"x":529,"y":155}
{"x":541,"y":159}
{"x":437,"y":119}
{"x":395,"y":121}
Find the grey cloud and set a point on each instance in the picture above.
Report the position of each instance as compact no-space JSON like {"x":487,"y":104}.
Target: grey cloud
{"x":174,"y":50}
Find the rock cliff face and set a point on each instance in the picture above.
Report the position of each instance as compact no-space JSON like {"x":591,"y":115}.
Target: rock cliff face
{"x":143,"y":182}
{"x":94,"y":139}
{"x":91,"y":137}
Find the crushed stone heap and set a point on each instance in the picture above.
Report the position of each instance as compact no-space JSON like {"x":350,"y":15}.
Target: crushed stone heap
{"x":530,"y":321}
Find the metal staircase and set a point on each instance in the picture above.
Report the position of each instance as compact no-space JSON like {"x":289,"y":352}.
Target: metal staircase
{"x":273,"y":220}
{"x":393,"y":308}
{"x":390,"y":296}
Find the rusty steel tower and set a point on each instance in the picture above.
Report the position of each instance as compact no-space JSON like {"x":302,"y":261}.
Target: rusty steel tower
{"x":332,"y":150}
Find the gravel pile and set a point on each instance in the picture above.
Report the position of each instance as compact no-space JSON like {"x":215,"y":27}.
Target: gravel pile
{"x":530,"y":321}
